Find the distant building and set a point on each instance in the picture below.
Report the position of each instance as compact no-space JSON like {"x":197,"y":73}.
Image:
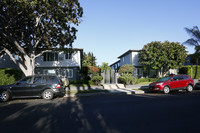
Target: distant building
{"x":132,"y":57}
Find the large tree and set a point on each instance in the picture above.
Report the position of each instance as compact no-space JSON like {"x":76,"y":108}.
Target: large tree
{"x":29,"y":28}
{"x":163,"y":56}
{"x":89,"y":59}
{"x":194,"y":41}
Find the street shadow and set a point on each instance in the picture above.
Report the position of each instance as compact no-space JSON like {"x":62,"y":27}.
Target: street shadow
{"x":99,"y":114}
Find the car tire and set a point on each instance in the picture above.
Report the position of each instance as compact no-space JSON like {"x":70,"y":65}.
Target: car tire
{"x":166,"y":89}
{"x":47,"y":95}
{"x":4,"y":96}
{"x":189,"y":88}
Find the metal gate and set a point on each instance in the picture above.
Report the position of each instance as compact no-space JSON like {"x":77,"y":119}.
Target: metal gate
{"x":110,"y":77}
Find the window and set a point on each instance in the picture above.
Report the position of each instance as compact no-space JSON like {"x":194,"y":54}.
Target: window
{"x":50,"y":56}
{"x":37,"y":80}
{"x":68,"y":56}
{"x":26,"y":80}
{"x":70,"y":73}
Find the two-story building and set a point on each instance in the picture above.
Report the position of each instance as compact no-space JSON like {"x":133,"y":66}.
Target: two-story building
{"x":132,"y":57}
{"x":129,"y":57}
{"x":61,"y":63}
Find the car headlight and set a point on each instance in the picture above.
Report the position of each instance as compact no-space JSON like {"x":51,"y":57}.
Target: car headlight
{"x":159,"y":84}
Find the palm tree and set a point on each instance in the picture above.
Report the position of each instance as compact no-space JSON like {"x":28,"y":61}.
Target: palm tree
{"x":194,"y":41}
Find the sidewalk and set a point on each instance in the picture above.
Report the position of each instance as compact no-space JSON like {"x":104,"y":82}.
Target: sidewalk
{"x":129,"y":90}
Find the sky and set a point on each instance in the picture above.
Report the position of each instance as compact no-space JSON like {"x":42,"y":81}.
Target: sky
{"x":109,"y":28}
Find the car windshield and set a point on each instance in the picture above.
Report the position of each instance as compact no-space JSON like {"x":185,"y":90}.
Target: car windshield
{"x":164,"y":79}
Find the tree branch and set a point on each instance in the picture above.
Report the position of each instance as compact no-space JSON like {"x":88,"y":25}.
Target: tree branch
{"x":42,"y":53}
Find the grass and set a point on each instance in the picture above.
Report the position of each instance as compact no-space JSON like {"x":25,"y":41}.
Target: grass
{"x":144,"y":83}
{"x":85,"y":91}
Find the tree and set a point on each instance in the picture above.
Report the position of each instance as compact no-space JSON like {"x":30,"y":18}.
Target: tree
{"x":30,"y":28}
{"x":105,"y":67}
{"x":194,"y":41}
{"x":126,"y":69}
{"x":162,"y":56}
{"x":89,"y":59}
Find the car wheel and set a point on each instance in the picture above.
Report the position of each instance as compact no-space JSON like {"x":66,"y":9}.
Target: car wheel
{"x":4,"y":96}
{"x":47,"y":95}
{"x":166,"y":89}
{"x":189,"y":88}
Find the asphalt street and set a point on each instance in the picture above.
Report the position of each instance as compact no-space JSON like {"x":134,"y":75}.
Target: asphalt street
{"x":178,"y":112}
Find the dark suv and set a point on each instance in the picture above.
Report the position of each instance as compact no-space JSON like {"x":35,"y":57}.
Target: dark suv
{"x":44,"y":86}
{"x":174,"y":82}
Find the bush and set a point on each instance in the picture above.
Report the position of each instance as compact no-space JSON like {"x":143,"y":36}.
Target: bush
{"x":126,"y":69}
{"x":127,"y":79}
{"x":145,"y":80}
{"x":81,"y":82}
{"x":187,"y":70}
{"x":97,"y":79}
{"x":9,"y":76}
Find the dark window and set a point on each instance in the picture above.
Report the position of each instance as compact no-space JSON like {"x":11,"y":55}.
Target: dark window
{"x":176,"y":78}
{"x":52,"y":79}
{"x":26,"y":80}
{"x":186,"y":77}
{"x":68,"y":55}
{"x":50,"y":56}
{"x":37,"y":80}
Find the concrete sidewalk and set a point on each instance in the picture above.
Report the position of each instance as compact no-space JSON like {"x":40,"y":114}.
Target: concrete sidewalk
{"x":113,"y":89}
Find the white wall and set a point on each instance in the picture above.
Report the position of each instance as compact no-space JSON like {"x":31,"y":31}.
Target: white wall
{"x":131,"y":58}
{"x":62,"y":62}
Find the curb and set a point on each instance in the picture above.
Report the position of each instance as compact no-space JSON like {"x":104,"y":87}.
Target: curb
{"x":95,"y":94}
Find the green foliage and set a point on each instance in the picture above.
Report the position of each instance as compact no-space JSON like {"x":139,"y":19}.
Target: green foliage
{"x":28,"y":28}
{"x":187,"y":70}
{"x":146,"y":80}
{"x":163,"y":56}
{"x":127,"y":79}
{"x":126,"y":69}
{"x":9,"y":76}
{"x":97,"y":79}
{"x":89,"y":59}
{"x":82,"y":82}
{"x":105,"y":67}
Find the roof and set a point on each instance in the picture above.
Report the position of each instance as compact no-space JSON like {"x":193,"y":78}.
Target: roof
{"x":115,"y":63}
{"x":129,"y":51}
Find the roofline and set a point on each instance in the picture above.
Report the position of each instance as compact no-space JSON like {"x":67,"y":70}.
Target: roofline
{"x":127,"y":52}
{"x":115,"y":62}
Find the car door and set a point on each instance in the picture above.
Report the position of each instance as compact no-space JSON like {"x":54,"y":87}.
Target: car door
{"x":22,"y":88}
{"x":38,"y":85}
{"x":174,"y":82}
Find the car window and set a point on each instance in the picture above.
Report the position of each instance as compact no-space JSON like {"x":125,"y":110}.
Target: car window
{"x":26,"y":80}
{"x":52,"y":79}
{"x":186,"y":77}
{"x":37,"y":80}
{"x":164,"y":79}
{"x":176,"y":78}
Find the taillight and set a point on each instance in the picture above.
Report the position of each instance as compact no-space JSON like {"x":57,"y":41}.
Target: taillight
{"x":58,"y":86}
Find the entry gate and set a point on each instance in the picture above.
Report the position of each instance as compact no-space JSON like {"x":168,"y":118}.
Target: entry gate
{"x":110,"y":77}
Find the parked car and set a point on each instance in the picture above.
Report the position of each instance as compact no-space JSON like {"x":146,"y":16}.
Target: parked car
{"x":44,"y":86}
{"x":173,"y":82}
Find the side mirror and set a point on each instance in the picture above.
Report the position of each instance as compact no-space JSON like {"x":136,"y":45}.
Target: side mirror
{"x":172,"y":79}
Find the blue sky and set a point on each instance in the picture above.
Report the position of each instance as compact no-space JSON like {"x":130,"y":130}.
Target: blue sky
{"x":109,"y":28}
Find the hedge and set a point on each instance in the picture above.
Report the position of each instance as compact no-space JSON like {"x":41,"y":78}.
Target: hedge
{"x":146,"y":80}
{"x":187,"y":70}
{"x":9,"y":76}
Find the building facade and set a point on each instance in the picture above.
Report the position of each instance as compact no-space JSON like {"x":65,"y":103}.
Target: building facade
{"x":64,"y":64}
{"x":132,"y":57}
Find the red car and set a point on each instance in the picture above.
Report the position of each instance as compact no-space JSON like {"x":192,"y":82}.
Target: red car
{"x":175,"y":82}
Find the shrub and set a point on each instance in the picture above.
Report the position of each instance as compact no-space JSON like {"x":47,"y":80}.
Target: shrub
{"x":126,"y":69}
{"x":97,"y":80}
{"x":127,"y":79}
{"x":9,"y":76}
{"x":146,"y":80}
{"x":187,"y":70}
